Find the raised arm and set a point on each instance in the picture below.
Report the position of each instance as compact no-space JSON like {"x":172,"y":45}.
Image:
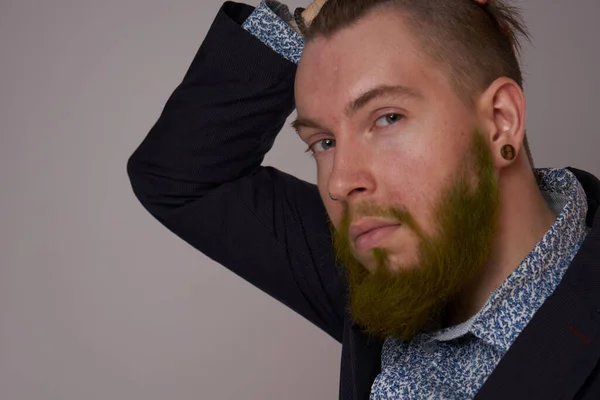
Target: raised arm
{"x":198,"y":171}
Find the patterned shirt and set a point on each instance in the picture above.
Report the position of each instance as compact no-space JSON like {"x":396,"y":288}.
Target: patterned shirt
{"x":269,"y":23}
{"x":453,"y":363}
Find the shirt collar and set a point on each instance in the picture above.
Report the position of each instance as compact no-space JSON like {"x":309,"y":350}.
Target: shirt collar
{"x":513,"y":303}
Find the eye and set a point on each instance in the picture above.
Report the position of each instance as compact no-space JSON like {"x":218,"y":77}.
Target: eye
{"x":388,"y":119}
{"x":321,"y":145}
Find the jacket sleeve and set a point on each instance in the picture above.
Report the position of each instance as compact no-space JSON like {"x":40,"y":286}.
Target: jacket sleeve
{"x":198,"y":172}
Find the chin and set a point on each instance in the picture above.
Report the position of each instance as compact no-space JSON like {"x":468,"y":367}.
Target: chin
{"x":397,"y":268}
{"x":395,"y":262}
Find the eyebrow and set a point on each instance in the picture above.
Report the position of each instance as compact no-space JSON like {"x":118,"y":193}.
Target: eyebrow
{"x":361,"y":101}
{"x":301,"y":122}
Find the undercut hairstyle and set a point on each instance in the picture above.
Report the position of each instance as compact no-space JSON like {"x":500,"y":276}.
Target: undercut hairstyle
{"x":474,"y":44}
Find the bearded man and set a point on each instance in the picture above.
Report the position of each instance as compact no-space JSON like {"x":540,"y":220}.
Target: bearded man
{"x":462,"y":270}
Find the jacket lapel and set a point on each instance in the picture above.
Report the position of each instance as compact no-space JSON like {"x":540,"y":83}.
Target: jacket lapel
{"x":560,"y":346}
{"x":361,"y":360}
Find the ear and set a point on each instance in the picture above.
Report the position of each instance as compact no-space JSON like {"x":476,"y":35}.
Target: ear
{"x":501,"y":109}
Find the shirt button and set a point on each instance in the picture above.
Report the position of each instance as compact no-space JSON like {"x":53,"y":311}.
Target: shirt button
{"x":429,"y":347}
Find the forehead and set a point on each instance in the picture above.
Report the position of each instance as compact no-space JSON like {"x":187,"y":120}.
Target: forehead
{"x":378,"y":50}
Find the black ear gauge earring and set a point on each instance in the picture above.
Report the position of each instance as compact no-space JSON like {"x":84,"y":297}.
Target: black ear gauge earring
{"x":508,"y":152}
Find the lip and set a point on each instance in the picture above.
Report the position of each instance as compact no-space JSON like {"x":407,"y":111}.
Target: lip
{"x":366,"y":234}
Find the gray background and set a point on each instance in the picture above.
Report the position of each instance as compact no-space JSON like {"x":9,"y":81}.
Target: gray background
{"x":97,"y":300}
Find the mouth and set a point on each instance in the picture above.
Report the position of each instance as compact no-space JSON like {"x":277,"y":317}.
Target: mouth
{"x":368,"y":237}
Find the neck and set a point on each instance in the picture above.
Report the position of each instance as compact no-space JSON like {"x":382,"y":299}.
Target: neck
{"x":524,"y":218}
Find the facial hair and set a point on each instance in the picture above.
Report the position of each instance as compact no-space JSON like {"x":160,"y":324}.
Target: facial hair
{"x":411,"y":300}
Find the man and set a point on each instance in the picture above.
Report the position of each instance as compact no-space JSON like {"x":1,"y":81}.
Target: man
{"x":464,"y":272}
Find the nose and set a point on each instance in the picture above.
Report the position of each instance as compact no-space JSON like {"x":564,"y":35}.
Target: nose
{"x":351,"y":175}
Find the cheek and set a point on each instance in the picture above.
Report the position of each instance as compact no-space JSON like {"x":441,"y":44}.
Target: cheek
{"x":414,"y":179}
{"x":399,"y":169}
{"x":403,"y":188}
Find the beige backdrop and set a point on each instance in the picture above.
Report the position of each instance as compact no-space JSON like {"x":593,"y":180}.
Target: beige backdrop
{"x":97,"y":299}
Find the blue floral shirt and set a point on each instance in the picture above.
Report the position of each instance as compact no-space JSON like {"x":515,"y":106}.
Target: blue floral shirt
{"x":272,"y":29}
{"x":454,"y":363}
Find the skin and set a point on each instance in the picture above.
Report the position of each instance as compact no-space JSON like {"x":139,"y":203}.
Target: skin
{"x":386,"y":128}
